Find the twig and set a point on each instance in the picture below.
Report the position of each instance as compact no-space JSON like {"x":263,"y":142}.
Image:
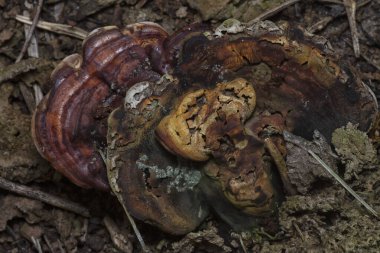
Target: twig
{"x":37,"y":245}
{"x":366,"y":56}
{"x":298,"y":231}
{"x":341,"y":181}
{"x":11,"y":232}
{"x":108,"y":163}
{"x":44,"y":197}
{"x":136,"y":230}
{"x":340,"y":2}
{"x":140,"y":4}
{"x":269,"y":236}
{"x":369,"y":60}
{"x":37,"y":93}
{"x":118,"y":239}
{"x":242,"y":244}
{"x":28,"y":97}
{"x":14,"y":237}
{"x":320,"y":25}
{"x":60,"y":246}
{"x":48,"y":243}
{"x":351,"y":13}
{"x":272,"y":12}
{"x":68,"y":30}
{"x":331,"y":1}
{"x":330,"y":171}
{"x":371,"y":76}
{"x":31,"y":31}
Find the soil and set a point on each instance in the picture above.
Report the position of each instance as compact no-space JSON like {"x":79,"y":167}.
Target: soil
{"x":323,"y":219}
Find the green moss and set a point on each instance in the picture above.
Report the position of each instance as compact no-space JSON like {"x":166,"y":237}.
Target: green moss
{"x":355,"y":149}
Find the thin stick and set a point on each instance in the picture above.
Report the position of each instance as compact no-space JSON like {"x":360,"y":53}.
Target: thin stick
{"x":11,"y":232}
{"x":31,"y":31}
{"x":365,"y":55}
{"x":68,"y":30}
{"x":298,"y":231}
{"x":60,"y":246}
{"x":118,"y":239}
{"x":242,"y":244}
{"x":331,"y":1}
{"x":136,"y":230}
{"x":272,"y":11}
{"x":44,"y":197}
{"x":37,"y":94}
{"x":48,"y":243}
{"x":37,"y":245}
{"x":351,"y":14}
{"x":369,"y":60}
{"x":325,"y":21}
{"x":108,"y":163}
{"x":321,"y":24}
{"x":344,"y":184}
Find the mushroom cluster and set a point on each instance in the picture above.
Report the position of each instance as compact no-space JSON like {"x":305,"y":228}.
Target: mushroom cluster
{"x":176,"y":124}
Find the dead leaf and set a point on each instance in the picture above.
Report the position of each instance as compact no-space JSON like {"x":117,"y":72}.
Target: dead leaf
{"x":304,"y":170}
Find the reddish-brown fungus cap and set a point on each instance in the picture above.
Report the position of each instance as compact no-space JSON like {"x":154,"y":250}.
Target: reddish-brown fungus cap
{"x":69,"y":125}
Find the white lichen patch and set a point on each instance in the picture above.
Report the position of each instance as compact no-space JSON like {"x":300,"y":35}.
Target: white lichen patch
{"x":229,"y":26}
{"x":180,"y":178}
{"x":136,"y":94}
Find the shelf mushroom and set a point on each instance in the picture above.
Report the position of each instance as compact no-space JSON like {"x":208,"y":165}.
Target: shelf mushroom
{"x":177,"y":124}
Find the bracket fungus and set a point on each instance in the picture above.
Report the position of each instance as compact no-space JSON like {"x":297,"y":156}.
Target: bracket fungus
{"x":177,"y":124}
{"x":69,"y":126}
